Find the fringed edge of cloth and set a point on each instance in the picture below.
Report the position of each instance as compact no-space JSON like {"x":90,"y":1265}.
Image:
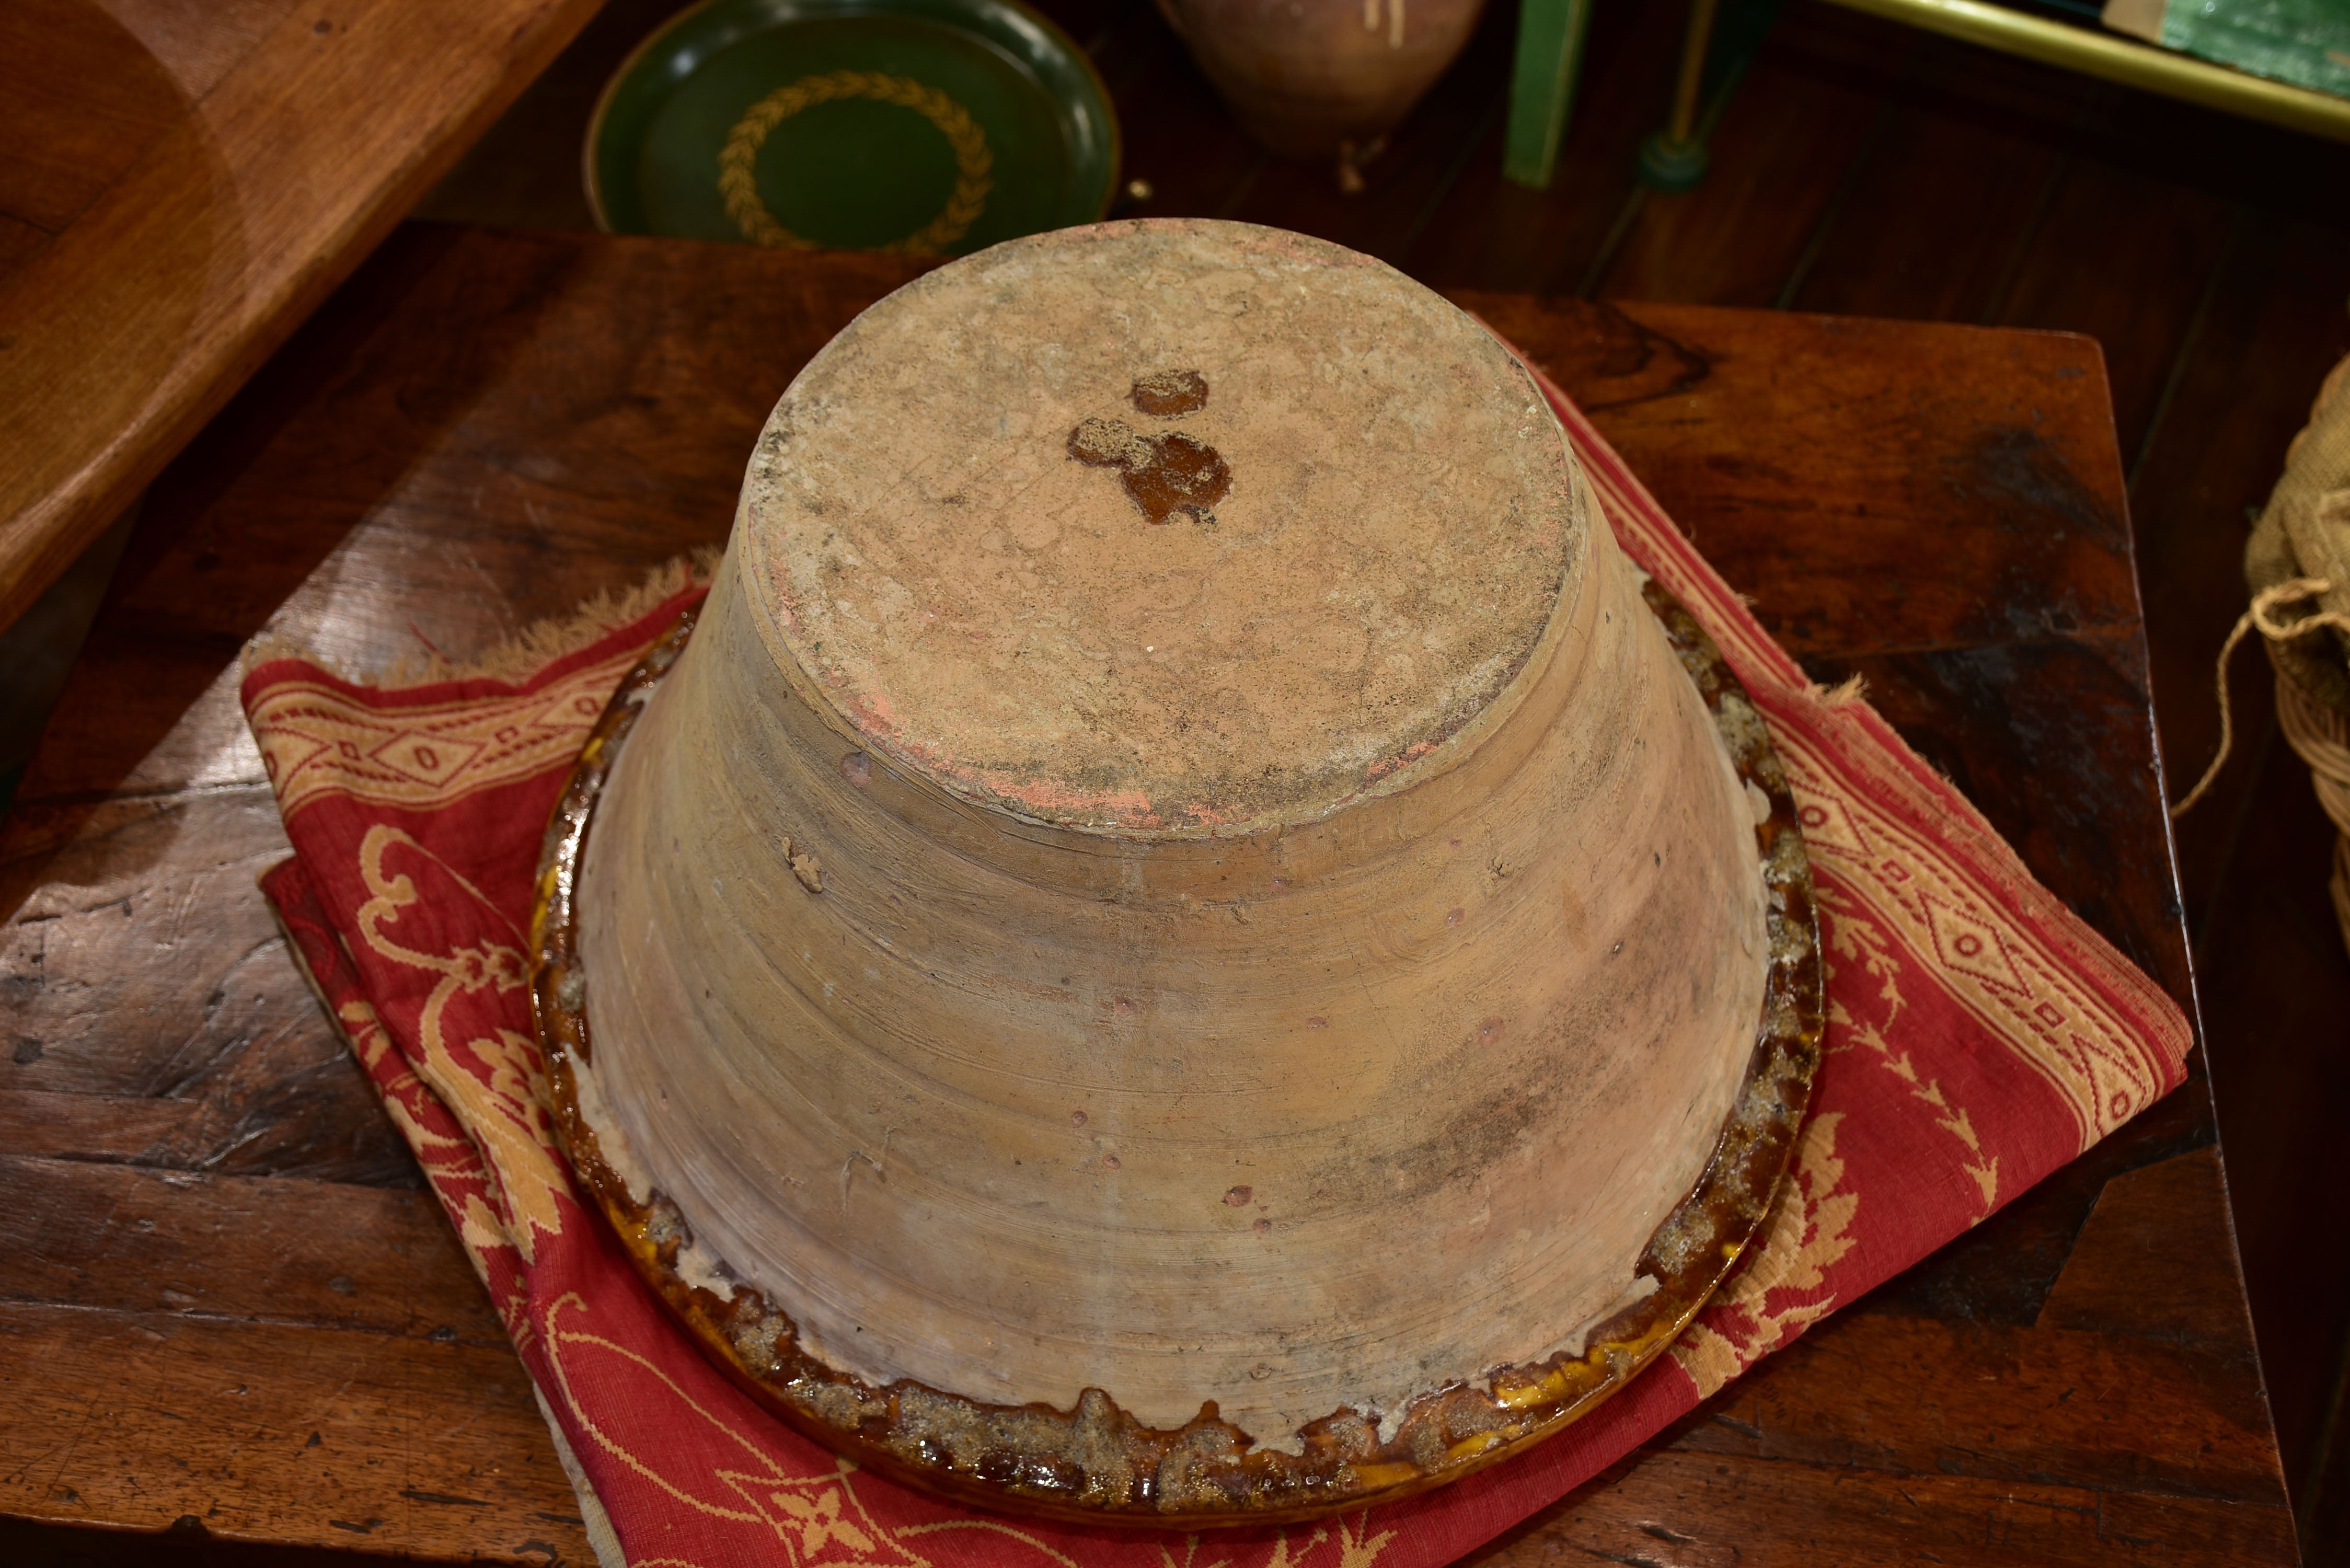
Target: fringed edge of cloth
{"x":526,"y":651}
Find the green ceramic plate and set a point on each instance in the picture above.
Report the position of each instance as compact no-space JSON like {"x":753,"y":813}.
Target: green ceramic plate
{"x":934,"y":127}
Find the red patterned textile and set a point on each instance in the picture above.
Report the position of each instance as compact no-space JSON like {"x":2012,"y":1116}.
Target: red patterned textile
{"x":1979,"y":1036}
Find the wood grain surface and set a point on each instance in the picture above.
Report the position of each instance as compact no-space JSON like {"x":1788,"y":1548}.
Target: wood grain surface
{"x":180,"y":184}
{"x":230,"y":1309}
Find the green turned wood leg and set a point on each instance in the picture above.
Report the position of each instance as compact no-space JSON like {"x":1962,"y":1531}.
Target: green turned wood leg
{"x":1541,"y":88}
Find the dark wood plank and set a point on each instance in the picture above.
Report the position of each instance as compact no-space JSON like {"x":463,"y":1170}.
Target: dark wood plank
{"x":1807,"y":110}
{"x":1708,"y":1511}
{"x":1908,"y":1397}
{"x":1813,"y":494}
{"x":138,"y":965}
{"x":1986,"y":136}
{"x":2105,"y":223}
{"x":427,"y":1445}
{"x":237,"y":1250}
{"x":2137,"y":1270}
{"x":184,"y":1134}
{"x":2276,"y":987}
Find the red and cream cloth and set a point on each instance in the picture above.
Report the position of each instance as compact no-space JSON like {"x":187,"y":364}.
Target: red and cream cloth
{"x":1979,"y":1036}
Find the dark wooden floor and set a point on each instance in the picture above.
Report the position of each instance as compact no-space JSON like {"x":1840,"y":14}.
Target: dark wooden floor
{"x":1860,"y":168}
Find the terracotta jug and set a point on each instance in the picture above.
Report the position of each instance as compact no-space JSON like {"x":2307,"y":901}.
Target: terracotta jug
{"x":1179,"y":942}
{"x":1318,"y":78}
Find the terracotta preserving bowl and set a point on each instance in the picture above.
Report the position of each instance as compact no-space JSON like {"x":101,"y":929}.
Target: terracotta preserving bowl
{"x":1184,"y":941}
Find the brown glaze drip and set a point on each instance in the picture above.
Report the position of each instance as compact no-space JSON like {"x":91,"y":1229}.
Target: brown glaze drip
{"x":1094,"y":1463}
{"x":1164,"y":474}
{"x":1170,"y":394}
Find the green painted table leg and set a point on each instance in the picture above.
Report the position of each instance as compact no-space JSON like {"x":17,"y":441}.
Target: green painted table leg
{"x":1542,"y":86}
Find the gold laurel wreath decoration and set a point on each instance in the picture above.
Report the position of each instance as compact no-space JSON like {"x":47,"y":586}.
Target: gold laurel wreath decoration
{"x":738,"y":179}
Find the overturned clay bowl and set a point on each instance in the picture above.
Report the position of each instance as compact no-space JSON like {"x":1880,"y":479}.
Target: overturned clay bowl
{"x":1185,"y":940}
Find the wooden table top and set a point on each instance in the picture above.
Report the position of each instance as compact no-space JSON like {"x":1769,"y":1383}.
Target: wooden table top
{"x":228,"y":1307}
{"x":181,"y":182}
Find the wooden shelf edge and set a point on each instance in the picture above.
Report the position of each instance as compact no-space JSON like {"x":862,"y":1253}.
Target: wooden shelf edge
{"x":126,"y":333}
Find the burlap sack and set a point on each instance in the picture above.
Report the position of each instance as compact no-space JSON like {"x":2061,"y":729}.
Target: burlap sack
{"x":2297,"y":564}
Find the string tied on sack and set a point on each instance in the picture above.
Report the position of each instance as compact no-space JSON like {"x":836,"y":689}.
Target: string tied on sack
{"x":2318,"y":741}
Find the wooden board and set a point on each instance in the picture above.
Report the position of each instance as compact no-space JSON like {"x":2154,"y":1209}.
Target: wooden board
{"x":481,"y":430}
{"x":180,"y":184}
{"x":2218,"y":263}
